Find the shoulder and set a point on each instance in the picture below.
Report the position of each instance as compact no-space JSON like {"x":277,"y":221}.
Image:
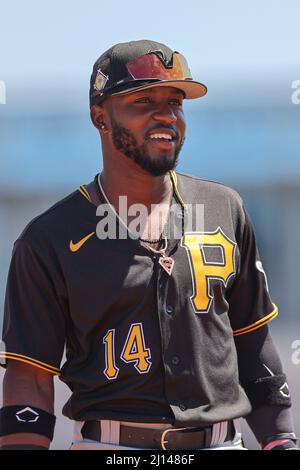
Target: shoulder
{"x":67,"y":213}
{"x":51,"y":217}
{"x":221,"y":205}
{"x":193,"y":187}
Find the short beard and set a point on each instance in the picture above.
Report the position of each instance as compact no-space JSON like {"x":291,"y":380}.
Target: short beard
{"x":126,"y":143}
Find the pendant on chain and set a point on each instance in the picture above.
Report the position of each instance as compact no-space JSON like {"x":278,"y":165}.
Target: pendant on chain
{"x":167,"y":264}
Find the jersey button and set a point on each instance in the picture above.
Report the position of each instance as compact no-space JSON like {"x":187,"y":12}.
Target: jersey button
{"x":169,"y":309}
{"x":175,"y":360}
{"x":182,"y":407}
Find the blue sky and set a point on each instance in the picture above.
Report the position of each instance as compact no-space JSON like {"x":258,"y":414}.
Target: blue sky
{"x":50,"y":39}
{"x":247,"y":53}
{"x":50,"y":47}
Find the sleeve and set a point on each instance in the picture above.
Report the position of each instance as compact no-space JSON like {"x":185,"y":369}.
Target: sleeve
{"x":34,"y":313}
{"x":250,"y":305}
{"x":258,"y":358}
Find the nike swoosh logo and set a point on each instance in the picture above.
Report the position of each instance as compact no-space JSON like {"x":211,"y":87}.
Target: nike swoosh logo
{"x":76,"y":246}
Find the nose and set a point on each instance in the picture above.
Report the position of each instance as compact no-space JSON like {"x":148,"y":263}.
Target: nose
{"x":165,"y":113}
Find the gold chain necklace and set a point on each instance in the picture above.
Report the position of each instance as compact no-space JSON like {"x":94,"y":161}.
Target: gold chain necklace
{"x":166,"y":262}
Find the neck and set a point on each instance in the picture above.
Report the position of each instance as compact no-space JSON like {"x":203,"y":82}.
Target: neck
{"x":138,"y":187}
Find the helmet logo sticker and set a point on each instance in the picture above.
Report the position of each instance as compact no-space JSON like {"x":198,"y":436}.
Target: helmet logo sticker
{"x":100,"y":80}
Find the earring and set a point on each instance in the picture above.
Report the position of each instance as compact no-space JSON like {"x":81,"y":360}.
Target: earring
{"x":102,"y":125}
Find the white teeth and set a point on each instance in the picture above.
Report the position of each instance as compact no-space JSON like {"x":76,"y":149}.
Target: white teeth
{"x":160,"y":136}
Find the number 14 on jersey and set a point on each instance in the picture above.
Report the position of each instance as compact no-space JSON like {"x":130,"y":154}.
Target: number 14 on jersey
{"x":134,"y":351}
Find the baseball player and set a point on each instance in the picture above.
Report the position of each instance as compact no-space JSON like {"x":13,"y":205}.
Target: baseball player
{"x":152,"y":281}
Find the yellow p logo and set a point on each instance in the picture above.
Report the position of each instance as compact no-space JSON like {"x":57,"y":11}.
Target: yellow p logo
{"x":202,"y":270}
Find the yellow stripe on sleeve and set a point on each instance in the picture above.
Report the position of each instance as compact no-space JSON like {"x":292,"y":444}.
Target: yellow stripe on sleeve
{"x":29,"y":360}
{"x":258,"y":324}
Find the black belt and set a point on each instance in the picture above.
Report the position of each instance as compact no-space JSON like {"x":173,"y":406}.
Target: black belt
{"x":166,"y":439}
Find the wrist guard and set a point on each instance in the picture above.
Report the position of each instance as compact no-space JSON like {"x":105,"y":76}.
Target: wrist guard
{"x":26,"y":419}
{"x":271,"y":390}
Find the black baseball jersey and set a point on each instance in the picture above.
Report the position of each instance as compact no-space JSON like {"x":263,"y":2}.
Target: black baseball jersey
{"x":141,"y":345}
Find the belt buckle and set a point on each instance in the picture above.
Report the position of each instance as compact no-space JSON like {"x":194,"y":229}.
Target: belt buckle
{"x":166,"y":431}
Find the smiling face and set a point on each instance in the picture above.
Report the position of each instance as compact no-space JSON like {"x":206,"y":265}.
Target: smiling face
{"x":146,"y":126}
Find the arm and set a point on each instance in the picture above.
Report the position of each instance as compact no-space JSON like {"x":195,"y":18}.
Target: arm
{"x":260,"y":368}
{"x":34,"y":331}
{"x":258,"y":360}
{"x":24,"y":384}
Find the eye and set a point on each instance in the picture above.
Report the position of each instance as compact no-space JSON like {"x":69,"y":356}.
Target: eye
{"x":176,"y":102}
{"x":145,"y":99}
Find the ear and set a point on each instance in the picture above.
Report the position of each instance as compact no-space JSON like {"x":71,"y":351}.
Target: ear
{"x":98,"y":117}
